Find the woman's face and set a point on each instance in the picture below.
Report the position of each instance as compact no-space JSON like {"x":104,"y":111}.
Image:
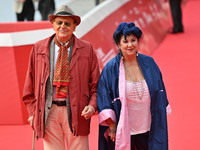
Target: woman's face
{"x":128,"y":46}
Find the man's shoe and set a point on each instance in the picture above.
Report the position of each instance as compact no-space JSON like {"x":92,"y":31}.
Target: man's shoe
{"x":180,"y":30}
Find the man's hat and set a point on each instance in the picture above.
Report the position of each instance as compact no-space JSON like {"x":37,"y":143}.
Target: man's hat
{"x":65,"y":11}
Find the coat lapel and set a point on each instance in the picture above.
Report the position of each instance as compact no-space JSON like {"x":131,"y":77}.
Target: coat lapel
{"x":123,"y":129}
{"x":51,"y":58}
{"x":146,"y":72}
{"x":74,"y":54}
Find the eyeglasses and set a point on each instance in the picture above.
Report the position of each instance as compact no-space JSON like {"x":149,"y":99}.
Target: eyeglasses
{"x":59,"y":23}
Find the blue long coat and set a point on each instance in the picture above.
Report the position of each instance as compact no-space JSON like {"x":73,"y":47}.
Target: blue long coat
{"x":108,"y":90}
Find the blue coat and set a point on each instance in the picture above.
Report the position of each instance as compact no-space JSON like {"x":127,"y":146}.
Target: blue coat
{"x":108,"y":90}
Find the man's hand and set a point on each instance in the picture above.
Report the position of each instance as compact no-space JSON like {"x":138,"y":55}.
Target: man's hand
{"x":30,"y":120}
{"x":87,"y":112}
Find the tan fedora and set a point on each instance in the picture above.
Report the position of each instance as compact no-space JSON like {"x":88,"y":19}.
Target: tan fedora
{"x":65,"y":11}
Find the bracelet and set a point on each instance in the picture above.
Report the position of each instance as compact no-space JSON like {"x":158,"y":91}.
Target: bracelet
{"x":113,"y":130}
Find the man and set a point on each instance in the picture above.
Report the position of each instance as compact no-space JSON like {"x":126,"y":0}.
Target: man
{"x":24,"y":9}
{"x":46,"y":7}
{"x":60,"y":86}
{"x":175,"y":6}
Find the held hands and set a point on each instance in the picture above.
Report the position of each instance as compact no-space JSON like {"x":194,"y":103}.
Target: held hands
{"x":87,"y":112}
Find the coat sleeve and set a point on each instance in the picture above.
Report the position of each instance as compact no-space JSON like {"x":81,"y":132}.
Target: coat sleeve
{"x":94,"y":77}
{"x":105,"y":98}
{"x":168,"y":107}
{"x":28,"y":91}
{"x":108,"y":102}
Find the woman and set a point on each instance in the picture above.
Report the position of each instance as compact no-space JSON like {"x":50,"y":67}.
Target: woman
{"x":131,"y":98}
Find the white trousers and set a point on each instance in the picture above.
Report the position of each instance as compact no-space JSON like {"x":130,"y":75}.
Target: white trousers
{"x":58,"y":135}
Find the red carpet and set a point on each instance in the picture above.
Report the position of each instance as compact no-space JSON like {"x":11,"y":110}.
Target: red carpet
{"x":178,"y":57}
{"x":19,"y":137}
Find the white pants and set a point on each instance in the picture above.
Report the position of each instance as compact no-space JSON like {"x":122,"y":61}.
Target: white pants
{"x":58,"y":133}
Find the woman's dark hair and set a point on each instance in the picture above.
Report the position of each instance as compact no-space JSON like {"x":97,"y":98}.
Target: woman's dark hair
{"x":126,"y":29}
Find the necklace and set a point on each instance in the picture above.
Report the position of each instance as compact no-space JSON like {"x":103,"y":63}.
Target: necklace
{"x":142,"y":86}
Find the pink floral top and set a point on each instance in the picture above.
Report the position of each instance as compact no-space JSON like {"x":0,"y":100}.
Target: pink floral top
{"x":138,"y":103}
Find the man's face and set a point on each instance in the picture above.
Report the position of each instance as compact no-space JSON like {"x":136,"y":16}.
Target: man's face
{"x":64,"y":28}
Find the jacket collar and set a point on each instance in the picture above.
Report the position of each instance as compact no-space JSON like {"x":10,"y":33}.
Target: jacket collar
{"x":45,"y":44}
{"x":76,"y":45}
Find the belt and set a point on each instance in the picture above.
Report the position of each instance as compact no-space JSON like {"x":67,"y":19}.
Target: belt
{"x":59,"y":103}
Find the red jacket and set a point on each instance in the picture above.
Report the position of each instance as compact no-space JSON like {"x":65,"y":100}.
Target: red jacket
{"x":84,"y":75}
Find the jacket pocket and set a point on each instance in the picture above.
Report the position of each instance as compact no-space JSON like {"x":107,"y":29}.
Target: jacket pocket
{"x":41,"y":65}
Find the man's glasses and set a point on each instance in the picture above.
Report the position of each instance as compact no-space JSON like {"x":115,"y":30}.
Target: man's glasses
{"x":59,"y":23}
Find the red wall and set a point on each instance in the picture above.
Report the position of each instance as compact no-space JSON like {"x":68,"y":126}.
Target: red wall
{"x":13,"y":66}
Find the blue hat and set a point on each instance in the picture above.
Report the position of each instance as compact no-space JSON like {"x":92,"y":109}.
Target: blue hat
{"x":126,"y":29}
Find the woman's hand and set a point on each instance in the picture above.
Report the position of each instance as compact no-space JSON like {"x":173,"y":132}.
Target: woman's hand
{"x":113,"y":128}
{"x":113,"y":134}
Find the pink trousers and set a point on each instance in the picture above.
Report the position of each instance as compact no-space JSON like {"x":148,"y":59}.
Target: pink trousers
{"x":58,"y":135}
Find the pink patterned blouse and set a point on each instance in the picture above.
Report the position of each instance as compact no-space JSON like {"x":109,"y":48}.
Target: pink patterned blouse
{"x":138,"y":101}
